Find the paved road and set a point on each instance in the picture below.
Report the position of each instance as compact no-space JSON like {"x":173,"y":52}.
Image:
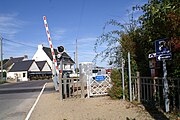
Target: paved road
{"x":28,"y":86}
{"x":16,"y":106}
{"x":16,"y":103}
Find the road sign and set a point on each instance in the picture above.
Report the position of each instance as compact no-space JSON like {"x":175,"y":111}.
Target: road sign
{"x":100,"y":78}
{"x":152,"y":55}
{"x":162,"y":50}
{"x":163,"y":56}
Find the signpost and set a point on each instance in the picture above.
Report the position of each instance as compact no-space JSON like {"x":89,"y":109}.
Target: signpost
{"x":162,"y":54}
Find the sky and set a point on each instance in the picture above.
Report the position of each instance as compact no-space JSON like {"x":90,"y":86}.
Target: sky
{"x":22,"y":27}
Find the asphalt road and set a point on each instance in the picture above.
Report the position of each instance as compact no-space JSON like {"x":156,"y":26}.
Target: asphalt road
{"x":28,"y":86}
{"x":16,"y":99}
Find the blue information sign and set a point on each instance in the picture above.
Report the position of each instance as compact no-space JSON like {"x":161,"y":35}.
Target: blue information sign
{"x":100,"y":78}
{"x":162,"y":50}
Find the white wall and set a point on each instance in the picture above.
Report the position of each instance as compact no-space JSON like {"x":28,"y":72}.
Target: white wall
{"x":68,"y":67}
{"x":19,"y":75}
{"x":40,"y":55}
{"x":46,"y":67}
{"x":34,"y":67}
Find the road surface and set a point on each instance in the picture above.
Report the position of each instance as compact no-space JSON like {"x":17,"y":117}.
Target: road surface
{"x":17,"y":99}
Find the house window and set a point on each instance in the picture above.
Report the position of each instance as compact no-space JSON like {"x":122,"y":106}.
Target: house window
{"x":24,"y":74}
{"x":65,"y":66}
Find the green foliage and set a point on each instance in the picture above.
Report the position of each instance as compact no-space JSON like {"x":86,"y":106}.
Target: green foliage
{"x":160,"y":19}
{"x":4,"y":74}
{"x":3,"y":81}
{"x":116,"y":91}
{"x":77,"y":70}
{"x":178,"y":114}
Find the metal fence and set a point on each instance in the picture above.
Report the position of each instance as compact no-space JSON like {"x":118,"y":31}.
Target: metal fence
{"x":150,"y":90}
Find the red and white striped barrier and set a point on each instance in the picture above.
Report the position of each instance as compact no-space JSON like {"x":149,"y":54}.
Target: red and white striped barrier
{"x":50,"y":43}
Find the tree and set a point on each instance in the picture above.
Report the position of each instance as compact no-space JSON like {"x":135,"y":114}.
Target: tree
{"x":161,"y":19}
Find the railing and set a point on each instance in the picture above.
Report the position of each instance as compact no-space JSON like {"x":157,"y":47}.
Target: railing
{"x":151,"y":91}
{"x":79,"y":87}
{"x":71,"y":87}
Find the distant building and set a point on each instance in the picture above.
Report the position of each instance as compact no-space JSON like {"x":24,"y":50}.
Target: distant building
{"x":40,"y":67}
{"x":29,"y":70}
{"x":8,"y":65}
{"x":44,"y":53}
{"x":20,"y":70}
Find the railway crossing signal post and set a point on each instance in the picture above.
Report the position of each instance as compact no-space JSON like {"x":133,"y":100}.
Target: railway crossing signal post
{"x":60,"y":57}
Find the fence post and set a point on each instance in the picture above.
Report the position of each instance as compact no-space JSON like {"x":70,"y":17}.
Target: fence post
{"x":154,"y":88}
{"x":179,"y":94}
{"x":130,"y":88}
{"x":82,"y":85}
{"x":123,"y":88}
{"x":60,"y":86}
{"x":65,"y":86}
{"x":138,"y":86}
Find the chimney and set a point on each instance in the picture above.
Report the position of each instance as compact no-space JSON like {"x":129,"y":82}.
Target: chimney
{"x":40,"y":46}
{"x":25,"y":57}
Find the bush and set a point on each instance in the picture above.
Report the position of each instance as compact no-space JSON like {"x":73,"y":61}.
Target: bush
{"x":116,"y":91}
{"x":3,"y":81}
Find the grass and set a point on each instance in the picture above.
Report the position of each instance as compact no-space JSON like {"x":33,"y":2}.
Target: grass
{"x":3,"y":81}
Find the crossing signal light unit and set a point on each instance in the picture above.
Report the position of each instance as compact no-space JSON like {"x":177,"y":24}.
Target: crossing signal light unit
{"x":60,"y":49}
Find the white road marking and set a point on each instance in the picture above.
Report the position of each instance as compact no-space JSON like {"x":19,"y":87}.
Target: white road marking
{"x":31,"y":110}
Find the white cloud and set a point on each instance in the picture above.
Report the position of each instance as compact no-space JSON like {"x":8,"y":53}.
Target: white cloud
{"x":10,"y":24}
{"x":88,"y":40}
{"x":58,"y":33}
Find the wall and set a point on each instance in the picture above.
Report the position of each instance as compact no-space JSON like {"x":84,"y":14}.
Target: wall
{"x":13,"y":75}
{"x":40,"y":55}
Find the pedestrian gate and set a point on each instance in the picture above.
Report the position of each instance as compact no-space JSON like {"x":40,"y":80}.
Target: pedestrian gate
{"x":97,"y":86}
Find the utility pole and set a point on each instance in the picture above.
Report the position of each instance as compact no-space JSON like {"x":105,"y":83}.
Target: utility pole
{"x":76,"y":58}
{"x":1,"y":44}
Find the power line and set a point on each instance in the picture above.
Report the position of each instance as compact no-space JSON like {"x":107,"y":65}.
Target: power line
{"x":18,"y":43}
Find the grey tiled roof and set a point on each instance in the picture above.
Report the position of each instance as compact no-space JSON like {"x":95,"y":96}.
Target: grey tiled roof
{"x":11,"y":61}
{"x":40,"y":64}
{"x":21,"y":66}
{"x":48,"y":52}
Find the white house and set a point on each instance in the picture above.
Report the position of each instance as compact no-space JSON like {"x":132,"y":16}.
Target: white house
{"x":44,"y":54}
{"x":43,"y":66}
{"x":20,"y":70}
{"x":8,"y":65}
